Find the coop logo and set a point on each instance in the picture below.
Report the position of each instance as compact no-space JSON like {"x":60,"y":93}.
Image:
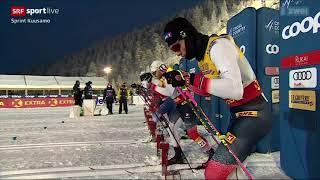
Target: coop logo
{"x":272,"y":49}
{"x":243,"y":49}
{"x":303,"y":78}
{"x":21,"y":11}
{"x":304,"y":26}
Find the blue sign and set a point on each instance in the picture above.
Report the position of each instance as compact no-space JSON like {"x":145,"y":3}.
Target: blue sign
{"x":268,"y":50}
{"x":242,"y":27}
{"x":300,"y":133}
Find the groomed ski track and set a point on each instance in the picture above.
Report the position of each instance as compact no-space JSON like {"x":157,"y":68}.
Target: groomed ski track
{"x":49,"y":145}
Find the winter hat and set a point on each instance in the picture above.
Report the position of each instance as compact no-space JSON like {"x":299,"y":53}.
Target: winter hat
{"x":88,"y":83}
{"x":155,"y":66}
{"x":176,"y":29}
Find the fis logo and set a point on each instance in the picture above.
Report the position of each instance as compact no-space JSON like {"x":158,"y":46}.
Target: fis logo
{"x":287,"y":3}
{"x":272,"y":49}
{"x":307,"y":24}
{"x":272,"y":25}
{"x":20,"y":11}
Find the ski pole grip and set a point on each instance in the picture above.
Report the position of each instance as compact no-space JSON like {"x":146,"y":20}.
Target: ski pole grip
{"x":187,"y":95}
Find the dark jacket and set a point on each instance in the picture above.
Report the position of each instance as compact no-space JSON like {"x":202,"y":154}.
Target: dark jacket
{"x":77,"y":93}
{"x":109,"y":94}
{"x":88,"y":92}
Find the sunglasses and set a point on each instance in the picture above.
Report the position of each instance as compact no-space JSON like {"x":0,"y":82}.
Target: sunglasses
{"x":163,"y":68}
{"x":175,"y":47}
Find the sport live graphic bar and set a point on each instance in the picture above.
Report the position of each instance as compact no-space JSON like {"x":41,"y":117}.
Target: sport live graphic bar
{"x":19,"y":91}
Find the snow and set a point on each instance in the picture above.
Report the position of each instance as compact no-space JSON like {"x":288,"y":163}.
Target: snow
{"x":108,"y":147}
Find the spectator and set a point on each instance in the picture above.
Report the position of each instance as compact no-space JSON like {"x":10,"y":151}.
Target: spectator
{"x":109,"y":96}
{"x":131,"y":95}
{"x":77,"y":94}
{"x":123,"y":98}
{"x":88,"y":91}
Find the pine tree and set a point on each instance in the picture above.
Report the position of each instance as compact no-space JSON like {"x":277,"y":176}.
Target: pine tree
{"x":92,"y":70}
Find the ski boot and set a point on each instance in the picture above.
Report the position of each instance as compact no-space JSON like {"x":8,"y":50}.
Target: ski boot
{"x":177,"y":158}
{"x":204,"y":165}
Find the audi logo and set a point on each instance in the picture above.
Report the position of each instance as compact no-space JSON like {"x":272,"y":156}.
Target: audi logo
{"x":272,"y":49}
{"x":302,"y":75}
{"x":243,"y":49}
{"x":307,"y":24}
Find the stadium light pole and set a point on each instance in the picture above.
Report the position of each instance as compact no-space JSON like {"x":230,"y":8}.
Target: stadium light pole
{"x":107,"y":70}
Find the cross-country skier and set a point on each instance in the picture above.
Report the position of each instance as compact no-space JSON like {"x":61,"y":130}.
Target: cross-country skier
{"x":227,"y":74}
{"x":173,"y":105}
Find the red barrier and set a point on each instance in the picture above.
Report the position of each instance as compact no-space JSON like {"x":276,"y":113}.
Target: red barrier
{"x":164,"y":157}
{"x":159,"y":139}
{"x":36,"y":102}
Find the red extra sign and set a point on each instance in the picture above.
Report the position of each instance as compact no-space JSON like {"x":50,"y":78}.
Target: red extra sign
{"x":36,"y":102}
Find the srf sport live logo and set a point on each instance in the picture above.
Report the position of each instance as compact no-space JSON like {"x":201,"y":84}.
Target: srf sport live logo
{"x":22,"y":11}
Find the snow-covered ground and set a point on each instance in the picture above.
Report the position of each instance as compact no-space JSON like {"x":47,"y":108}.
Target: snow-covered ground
{"x":44,"y":143}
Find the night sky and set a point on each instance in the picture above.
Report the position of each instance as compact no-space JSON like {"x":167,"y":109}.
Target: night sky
{"x":79,"y":24}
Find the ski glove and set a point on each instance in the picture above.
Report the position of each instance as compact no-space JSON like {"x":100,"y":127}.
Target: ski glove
{"x":199,"y":84}
{"x":175,"y":78}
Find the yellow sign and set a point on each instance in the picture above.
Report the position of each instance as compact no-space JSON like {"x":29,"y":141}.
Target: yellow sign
{"x":302,"y":99}
{"x":275,"y":98}
{"x":247,"y":114}
{"x":1,"y":103}
{"x":230,"y":138}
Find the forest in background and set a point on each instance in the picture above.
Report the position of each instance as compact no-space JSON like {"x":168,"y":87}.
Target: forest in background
{"x":131,"y":53}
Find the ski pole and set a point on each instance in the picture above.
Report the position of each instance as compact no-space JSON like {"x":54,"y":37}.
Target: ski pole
{"x":167,"y":125}
{"x":215,"y":130}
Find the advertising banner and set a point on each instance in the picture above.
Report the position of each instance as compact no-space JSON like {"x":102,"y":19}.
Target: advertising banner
{"x":268,"y":63}
{"x":242,"y":27}
{"x":36,"y":102}
{"x":299,"y":92}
